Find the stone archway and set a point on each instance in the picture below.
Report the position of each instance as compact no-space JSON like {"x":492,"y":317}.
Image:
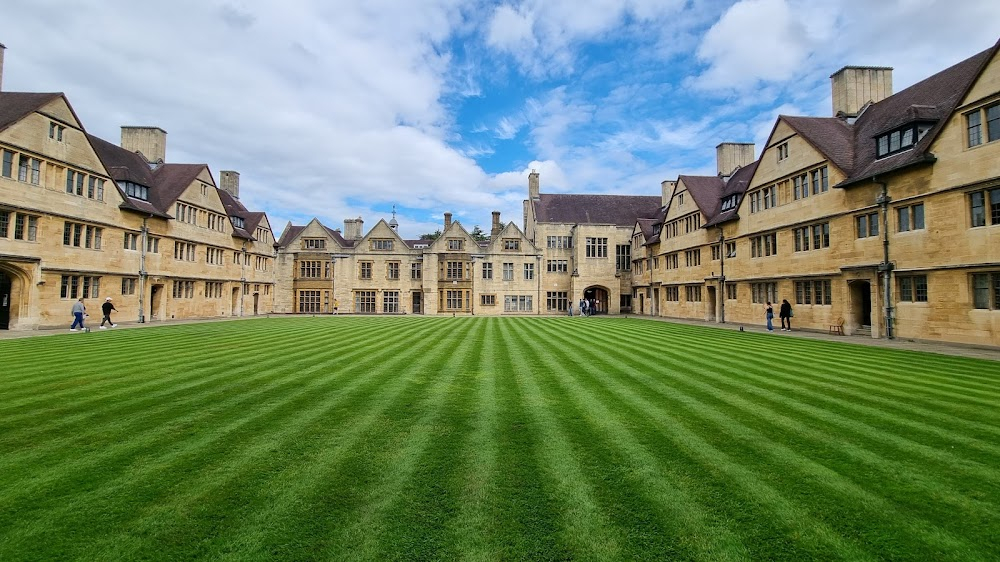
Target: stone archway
{"x":599,"y":295}
{"x":13,"y":296}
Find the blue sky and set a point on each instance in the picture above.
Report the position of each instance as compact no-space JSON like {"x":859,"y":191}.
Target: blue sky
{"x":343,"y":109}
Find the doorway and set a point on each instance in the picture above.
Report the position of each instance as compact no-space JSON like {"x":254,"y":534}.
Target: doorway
{"x":256,"y":299}
{"x":6,"y":286}
{"x":155,"y":302}
{"x":236,"y":301}
{"x":712,"y":304}
{"x":599,"y":295}
{"x":861,"y":303}
{"x":416,"y":303}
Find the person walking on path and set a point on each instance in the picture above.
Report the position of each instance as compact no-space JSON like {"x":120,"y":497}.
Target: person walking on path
{"x":78,"y":311}
{"x":785,"y":312}
{"x":769,"y":314}
{"x":106,"y":308}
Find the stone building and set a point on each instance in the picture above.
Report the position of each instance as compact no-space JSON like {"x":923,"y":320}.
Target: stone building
{"x":379,"y":272}
{"x":83,"y":218}
{"x":883,"y":219}
{"x":587,"y":243}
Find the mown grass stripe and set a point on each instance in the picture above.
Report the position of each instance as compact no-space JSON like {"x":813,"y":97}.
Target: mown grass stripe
{"x":694,"y":532}
{"x":762,"y":379}
{"x":585,"y":530}
{"x":237,"y":473}
{"x":812,"y":534}
{"x":163,"y":463}
{"x":287,"y":494}
{"x":145,"y":407}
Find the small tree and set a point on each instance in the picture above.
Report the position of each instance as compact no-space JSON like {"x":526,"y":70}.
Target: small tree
{"x":478,"y":234}
{"x":431,"y":235}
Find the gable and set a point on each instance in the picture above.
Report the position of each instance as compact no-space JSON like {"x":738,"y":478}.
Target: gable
{"x":801,"y":154}
{"x":201,"y":192}
{"x":61,"y":111}
{"x":986,"y":85}
{"x":381,"y":232}
{"x":511,"y":232}
{"x":31,"y":134}
{"x":455,"y":232}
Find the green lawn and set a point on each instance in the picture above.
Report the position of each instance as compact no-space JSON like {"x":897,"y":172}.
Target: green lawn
{"x":413,"y":438}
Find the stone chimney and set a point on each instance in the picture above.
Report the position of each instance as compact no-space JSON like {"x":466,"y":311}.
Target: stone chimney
{"x":354,"y":228}
{"x":2,"y":49}
{"x":150,"y":141}
{"x":447,"y":222}
{"x":533,"y":186}
{"x":855,"y":86}
{"x":732,"y":155}
{"x":666,"y":192}
{"x":230,"y":182}
{"x":497,"y":227}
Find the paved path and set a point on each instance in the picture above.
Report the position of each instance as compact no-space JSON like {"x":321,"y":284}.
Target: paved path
{"x":973,"y":351}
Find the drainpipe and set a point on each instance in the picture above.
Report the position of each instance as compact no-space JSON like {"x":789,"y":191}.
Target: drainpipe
{"x":722,"y":276}
{"x":886,"y":267}
{"x":142,"y":271}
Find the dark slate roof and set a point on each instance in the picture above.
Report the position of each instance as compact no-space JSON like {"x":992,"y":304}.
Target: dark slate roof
{"x":621,"y":210}
{"x":646,"y":227}
{"x":171,"y":181}
{"x":832,"y":137}
{"x":851,"y":146}
{"x":123,"y":165}
{"x":705,"y":191}
{"x":289,"y":234}
{"x":934,"y":98}
{"x":737,"y":184}
{"x":14,"y":106}
{"x":236,"y":209}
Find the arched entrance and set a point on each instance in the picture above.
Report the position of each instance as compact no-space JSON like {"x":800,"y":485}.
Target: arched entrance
{"x":6,"y":284}
{"x":861,"y":304}
{"x":599,"y":296}
{"x":12,"y":295}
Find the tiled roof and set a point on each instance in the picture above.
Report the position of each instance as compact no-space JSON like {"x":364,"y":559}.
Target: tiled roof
{"x":705,"y":191}
{"x":831,"y":136}
{"x":851,"y":146}
{"x":621,"y":210}
{"x":171,"y":181}
{"x":289,"y":234}
{"x":14,"y":106}
{"x":123,"y":165}
{"x":336,"y":235}
{"x":646,"y":227}
{"x":737,"y":184}
{"x":933,"y":98}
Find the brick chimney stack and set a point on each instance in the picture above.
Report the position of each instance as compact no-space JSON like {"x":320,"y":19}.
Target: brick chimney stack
{"x":534,"y":188}
{"x":497,"y":227}
{"x":447,"y":221}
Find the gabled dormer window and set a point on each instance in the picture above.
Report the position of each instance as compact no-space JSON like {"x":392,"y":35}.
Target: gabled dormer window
{"x":900,"y":139}
{"x":135,"y":190}
{"x":730,"y":202}
{"x":237,"y":221}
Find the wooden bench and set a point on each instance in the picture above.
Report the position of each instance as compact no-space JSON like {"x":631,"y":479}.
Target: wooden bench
{"x":837,"y":328}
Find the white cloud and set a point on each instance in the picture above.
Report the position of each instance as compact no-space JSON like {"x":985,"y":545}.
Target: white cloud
{"x":755,"y":40}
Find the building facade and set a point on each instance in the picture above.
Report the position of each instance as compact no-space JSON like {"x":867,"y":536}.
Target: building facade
{"x":83,"y":218}
{"x":883,"y":219}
